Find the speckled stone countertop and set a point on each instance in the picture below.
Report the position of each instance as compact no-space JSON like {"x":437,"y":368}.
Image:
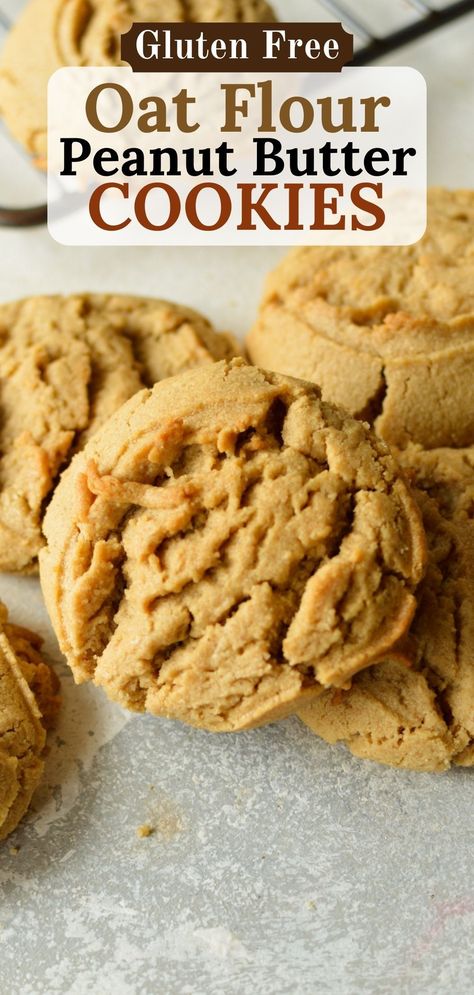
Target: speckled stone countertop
{"x":278,"y":865}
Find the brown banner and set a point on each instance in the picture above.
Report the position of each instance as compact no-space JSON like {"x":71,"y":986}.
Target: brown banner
{"x":319,"y":47}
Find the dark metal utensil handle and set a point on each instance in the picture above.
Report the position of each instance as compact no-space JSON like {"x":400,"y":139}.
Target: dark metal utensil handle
{"x":23,"y":217}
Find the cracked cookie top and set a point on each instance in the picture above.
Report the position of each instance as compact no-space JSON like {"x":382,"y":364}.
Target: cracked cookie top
{"x":28,"y":705}
{"x":388,"y":332}
{"x":416,"y":709}
{"x":50,"y":34}
{"x":226,"y":545}
{"x":66,"y":364}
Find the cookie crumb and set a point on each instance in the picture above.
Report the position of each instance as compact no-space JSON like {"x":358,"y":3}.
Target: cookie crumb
{"x":144,"y":831}
{"x":14,"y":851}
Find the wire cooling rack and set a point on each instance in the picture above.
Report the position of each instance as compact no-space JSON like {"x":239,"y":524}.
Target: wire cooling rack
{"x":423,"y":18}
{"x":417,"y":18}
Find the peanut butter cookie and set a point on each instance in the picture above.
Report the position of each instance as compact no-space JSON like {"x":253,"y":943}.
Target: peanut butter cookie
{"x":50,"y":34}
{"x":416,"y":709}
{"x":388,"y":332}
{"x":66,"y":364}
{"x":226,"y":545}
{"x":28,"y":705}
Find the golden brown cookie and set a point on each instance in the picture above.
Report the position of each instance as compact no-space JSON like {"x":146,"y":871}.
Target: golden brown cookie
{"x":28,"y":706}
{"x":40,"y":677}
{"x":388,"y":332}
{"x":416,"y":710}
{"x":225,"y":545}
{"x":50,"y":34}
{"x":66,"y":364}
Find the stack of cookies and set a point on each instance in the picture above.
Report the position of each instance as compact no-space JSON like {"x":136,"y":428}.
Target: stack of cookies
{"x":66,"y":364}
{"x":224,"y":545}
{"x":389,"y":333}
{"x":232,"y":546}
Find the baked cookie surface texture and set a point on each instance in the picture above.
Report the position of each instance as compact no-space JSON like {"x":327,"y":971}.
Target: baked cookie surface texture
{"x":66,"y":364}
{"x":387,"y":332}
{"x":416,"y":709}
{"x":226,"y":545}
{"x":28,"y":706}
{"x":50,"y":34}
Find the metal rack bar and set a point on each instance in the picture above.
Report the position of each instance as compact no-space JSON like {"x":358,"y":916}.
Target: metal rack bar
{"x":352,"y":23}
{"x":422,"y":7}
{"x":433,"y":19}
